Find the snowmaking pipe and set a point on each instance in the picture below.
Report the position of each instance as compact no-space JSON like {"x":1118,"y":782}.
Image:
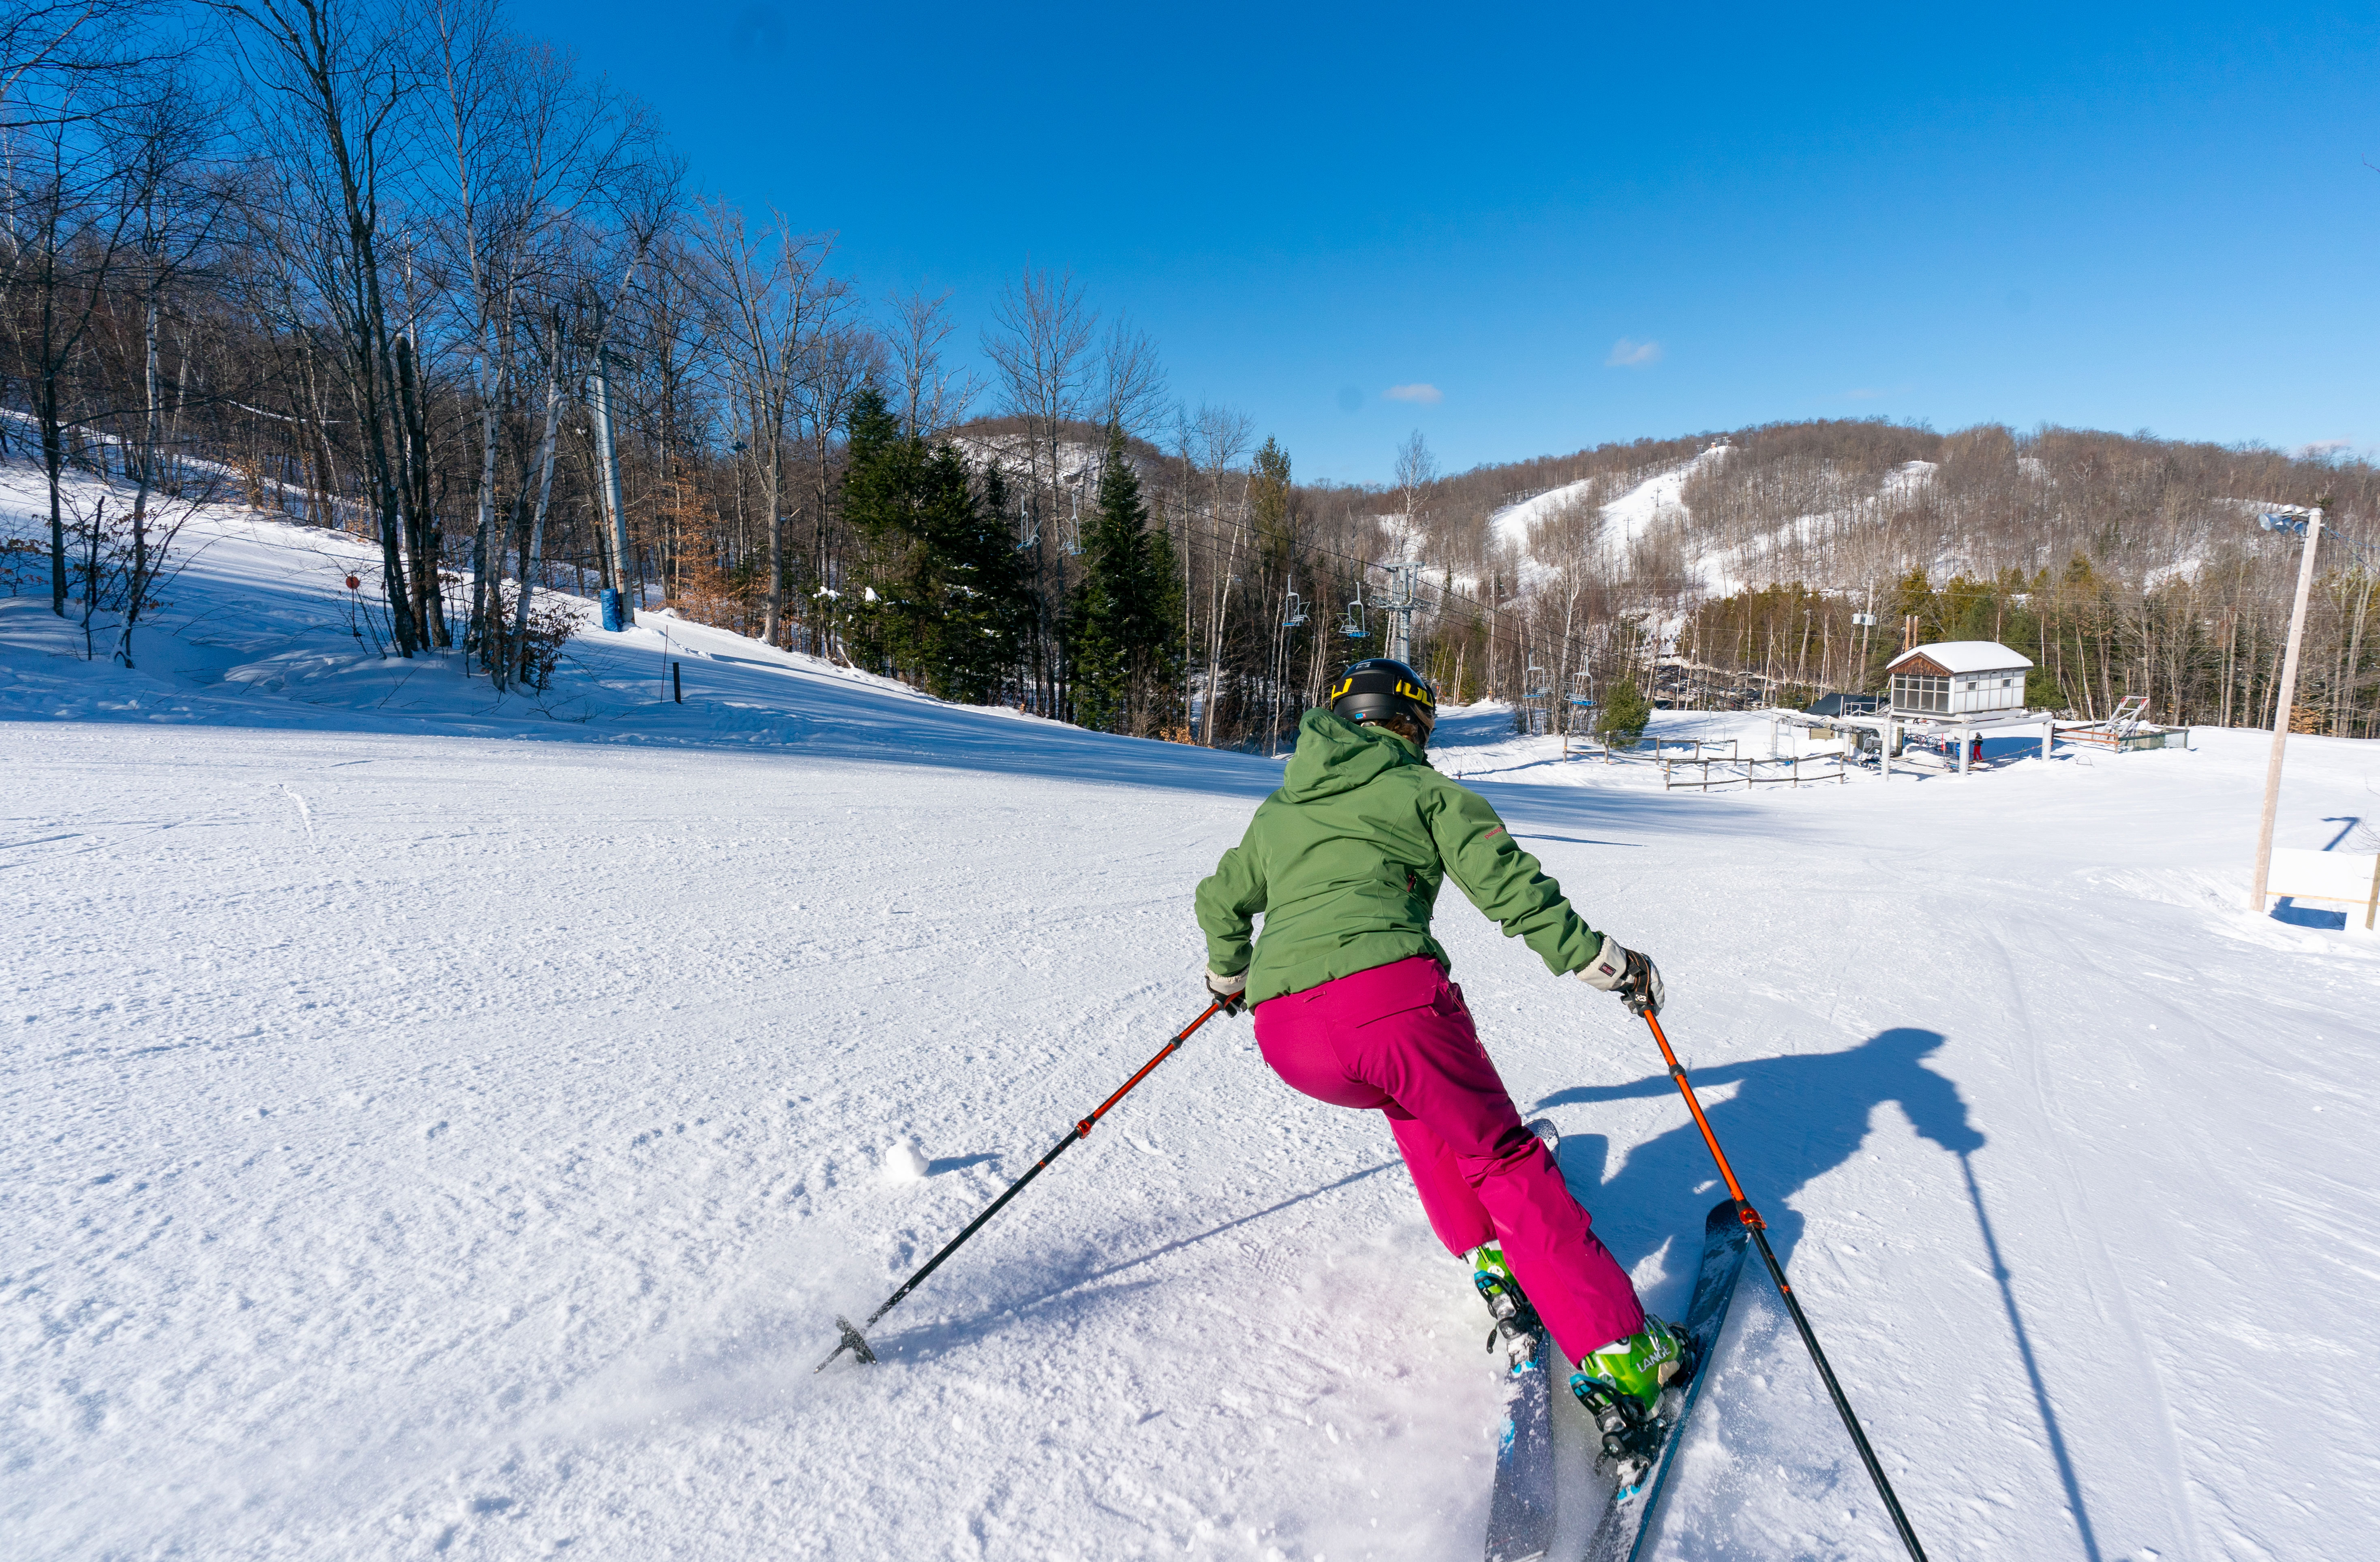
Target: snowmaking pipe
{"x":1759,"y":1229}
{"x":856,"y":1343}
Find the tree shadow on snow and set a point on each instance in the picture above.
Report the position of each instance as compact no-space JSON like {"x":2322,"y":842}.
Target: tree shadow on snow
{"x":1791,"y":1120}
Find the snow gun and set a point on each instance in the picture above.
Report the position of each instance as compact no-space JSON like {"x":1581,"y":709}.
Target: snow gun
{"x":857,"y":1342}
{"x":1759,"y":1229}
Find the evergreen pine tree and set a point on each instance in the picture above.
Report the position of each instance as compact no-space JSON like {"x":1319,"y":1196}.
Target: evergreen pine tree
{"x":1126,"y":618}
{"x":1626,"y":712}
{"x":983,"y":601}
{"x":879,"y":499}
{"x":951,"y":605}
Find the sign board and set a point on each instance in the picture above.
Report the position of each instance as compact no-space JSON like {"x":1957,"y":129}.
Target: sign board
{"x":2351,"y":879}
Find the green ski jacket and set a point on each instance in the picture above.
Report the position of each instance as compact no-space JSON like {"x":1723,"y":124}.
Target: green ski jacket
{"x":1346,"y":862}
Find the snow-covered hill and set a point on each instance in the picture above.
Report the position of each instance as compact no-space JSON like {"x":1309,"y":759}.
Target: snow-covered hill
{"x":1717,"y":563}
{"x":443,"y":1126}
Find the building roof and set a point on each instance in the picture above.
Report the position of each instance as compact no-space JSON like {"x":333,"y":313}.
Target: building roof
{"x":1955,"y":656}
{"x":1845,"y":705}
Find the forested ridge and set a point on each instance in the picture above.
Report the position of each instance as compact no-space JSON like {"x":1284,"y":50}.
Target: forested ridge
{"x":399,"y":270}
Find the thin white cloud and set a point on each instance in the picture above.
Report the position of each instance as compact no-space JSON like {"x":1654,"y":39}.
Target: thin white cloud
{"x":1628,"y":353}
{"x":1427,"y":395}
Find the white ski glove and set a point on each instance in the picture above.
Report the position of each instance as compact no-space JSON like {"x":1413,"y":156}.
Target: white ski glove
{"x":1626,"y":972}
{"x":1228,"y":990}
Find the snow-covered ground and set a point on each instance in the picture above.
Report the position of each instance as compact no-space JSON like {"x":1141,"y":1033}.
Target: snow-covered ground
{"x":438,"y":1125}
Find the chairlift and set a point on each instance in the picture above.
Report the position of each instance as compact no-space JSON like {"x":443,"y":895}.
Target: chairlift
{"x":1354,"y":626}
{"x":1293,"y":613}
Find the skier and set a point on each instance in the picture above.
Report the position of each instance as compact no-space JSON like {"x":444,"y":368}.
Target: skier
{"x":1354,"y":1007}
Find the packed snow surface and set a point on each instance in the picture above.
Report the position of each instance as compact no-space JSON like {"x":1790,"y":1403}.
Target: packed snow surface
{"x":444,"y":1125}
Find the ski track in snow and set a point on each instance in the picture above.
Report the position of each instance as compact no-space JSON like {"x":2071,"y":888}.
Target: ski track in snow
{"x":444,"y":1125}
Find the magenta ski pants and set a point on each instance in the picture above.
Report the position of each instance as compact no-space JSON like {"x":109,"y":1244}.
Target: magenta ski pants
{"x":1397,"y":1038}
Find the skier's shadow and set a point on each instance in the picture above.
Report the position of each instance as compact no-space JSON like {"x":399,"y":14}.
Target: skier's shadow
{"x":1790,"y":1120}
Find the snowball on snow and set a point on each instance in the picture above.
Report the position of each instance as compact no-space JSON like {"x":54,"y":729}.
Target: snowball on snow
{"x":904,"y":1162}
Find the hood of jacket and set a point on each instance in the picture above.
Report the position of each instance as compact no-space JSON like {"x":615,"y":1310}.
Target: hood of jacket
{"x":1337,"y":755}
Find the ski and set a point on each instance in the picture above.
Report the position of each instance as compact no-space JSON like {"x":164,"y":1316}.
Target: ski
{"x":1521,"y":1509}
{"x":1627,"y":1518}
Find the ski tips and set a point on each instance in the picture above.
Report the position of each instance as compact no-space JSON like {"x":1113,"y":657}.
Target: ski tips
{"x":853,"y":1341}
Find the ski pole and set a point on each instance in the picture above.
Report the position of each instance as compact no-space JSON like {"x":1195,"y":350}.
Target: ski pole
{"x":1759,"y":1227}
{"x":856,"y":1343}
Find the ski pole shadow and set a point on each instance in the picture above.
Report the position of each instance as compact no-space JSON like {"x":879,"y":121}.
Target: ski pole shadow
{"x":1179,"y":1243}
{"x":927,"y":1340}
{"x":1791,"y":1120}
{"x":2031,"y":1364}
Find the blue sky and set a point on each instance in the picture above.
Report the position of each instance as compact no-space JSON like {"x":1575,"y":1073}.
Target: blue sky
{"x":1574,"y":225}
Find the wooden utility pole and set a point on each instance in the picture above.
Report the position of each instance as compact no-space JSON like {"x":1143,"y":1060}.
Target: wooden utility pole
{"x":2311,"y":523}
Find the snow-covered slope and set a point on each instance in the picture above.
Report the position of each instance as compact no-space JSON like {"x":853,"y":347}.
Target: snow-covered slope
{"x":1625,"y":519}
{"x":438,"y":1126}
{"x":1717,"y":566}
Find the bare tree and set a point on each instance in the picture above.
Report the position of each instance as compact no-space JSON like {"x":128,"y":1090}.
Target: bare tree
{"x":767,"y":291}
{"x":1132,"y":380}
{"x":528,"y":148}
{"x":841,"y":357}
{"x":338,"y":76}
{"x":1212,"y":444}
{"x":1040,"y":336}
{"x":1416,"y":473}
{"x":932,"y":395}
{"x":178,"y":207}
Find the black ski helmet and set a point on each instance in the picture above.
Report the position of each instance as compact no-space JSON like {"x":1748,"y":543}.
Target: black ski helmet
{"x":1378,"y":688}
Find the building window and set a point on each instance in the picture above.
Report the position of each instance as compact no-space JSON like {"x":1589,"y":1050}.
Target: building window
{"x":1913,"y":691}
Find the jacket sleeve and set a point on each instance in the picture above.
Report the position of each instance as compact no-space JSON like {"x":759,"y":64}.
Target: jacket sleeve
{"x":1228,"y":901}
{"x":1505,"y":883}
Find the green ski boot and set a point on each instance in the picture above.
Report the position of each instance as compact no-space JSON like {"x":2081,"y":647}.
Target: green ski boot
{"x":1507,"y":1303}
{"x":1620,"y":1386}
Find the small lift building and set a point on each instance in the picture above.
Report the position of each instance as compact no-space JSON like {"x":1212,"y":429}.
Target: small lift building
{"x":1958,"y":677}
{"x":1954,"y":688}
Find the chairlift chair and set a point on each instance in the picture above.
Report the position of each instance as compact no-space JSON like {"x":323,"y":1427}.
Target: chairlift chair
{"x":1293,"y":613}
{"x":1354,"y":626}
